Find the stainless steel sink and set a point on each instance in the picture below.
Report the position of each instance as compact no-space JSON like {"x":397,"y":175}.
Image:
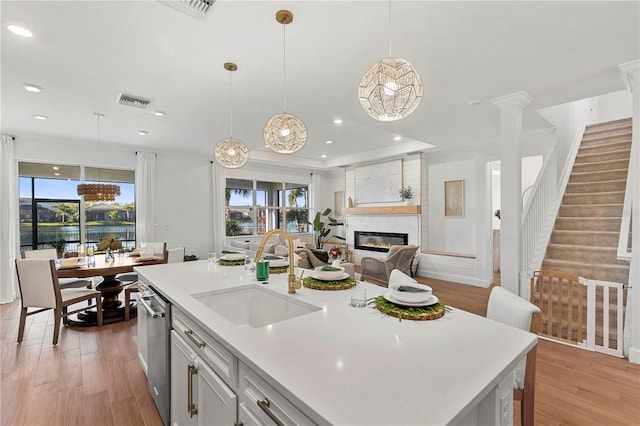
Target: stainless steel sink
{"x":253,"y":305}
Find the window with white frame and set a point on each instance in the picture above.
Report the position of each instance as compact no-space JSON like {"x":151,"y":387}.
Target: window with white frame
{"x":254,"y":207}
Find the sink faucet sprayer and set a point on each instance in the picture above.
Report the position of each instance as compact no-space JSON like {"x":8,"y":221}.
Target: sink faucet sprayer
{"x":293,"y":282}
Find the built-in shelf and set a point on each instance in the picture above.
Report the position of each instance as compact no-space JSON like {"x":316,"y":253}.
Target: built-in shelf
{"x":383,"y":210}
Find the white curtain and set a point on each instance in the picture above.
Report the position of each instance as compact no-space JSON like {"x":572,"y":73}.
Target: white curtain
{"x":218,"y":228}
{"x":9,"y":246}
{"x":145,"y":196}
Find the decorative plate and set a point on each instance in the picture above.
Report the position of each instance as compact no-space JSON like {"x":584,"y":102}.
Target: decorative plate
{"x":225,"y":262}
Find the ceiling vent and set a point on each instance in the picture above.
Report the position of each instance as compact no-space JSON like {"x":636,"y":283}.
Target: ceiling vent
{"x":133,"y":101}
{"x":195,"y":8}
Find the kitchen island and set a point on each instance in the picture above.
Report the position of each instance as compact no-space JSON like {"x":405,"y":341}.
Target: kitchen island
{"x":350,"y":366}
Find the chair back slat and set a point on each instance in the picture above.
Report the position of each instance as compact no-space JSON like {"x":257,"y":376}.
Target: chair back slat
{"x":38,"y":282}
{"x":49,"y":253}
{"x":175,"y":255}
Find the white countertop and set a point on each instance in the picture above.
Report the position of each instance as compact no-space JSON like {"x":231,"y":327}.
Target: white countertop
{"x":355,"y":366}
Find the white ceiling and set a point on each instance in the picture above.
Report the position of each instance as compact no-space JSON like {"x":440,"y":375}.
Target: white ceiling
{"x":84,"y":53}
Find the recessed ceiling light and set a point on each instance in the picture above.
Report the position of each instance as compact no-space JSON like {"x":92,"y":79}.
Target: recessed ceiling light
{"x":32,"y":88}
{"x":328,"y":142}
{"x":40,"y":117}
{"x":56,"y":168}
{"x":56,"y":174}
{"x":323,"y":156}
{"x":20,"y":31}
{"x":473,"y":102}
{"x":397,"y":138}
{"x":337,"y":121}
{"x":143,"y":132}
{"x":159,"y":113}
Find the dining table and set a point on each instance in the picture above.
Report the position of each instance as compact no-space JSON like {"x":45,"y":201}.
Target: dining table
{"x":112,"y":307}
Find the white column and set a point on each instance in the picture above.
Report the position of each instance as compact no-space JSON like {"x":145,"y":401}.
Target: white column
{"x":631,"y":75}
{"x":510,"y":188}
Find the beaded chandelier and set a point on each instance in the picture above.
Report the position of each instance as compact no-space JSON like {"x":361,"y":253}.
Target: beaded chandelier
{"x":284,"y":132}
{"x":391,"y":89}
{"x":98,"y":191}
{"x":230,"y":152}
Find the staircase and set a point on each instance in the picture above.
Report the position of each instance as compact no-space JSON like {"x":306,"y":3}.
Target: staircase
{"x":584,"y":241}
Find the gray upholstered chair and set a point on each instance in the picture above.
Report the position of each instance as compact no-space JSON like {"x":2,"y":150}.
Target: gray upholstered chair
{"x":510,"y":309}
{"x":51,"y":254}
{"x":398,"y":257}
{"x":39,"y":288}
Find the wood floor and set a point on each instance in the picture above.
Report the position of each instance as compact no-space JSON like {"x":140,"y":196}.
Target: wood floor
{"x":92,"y":377}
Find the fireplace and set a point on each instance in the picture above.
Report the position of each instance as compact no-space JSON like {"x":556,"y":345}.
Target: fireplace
{"x":378,"y":241}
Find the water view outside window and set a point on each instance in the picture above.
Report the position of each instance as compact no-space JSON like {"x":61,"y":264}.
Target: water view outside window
{"x":256,"y":207}
{"x":52,"y":214}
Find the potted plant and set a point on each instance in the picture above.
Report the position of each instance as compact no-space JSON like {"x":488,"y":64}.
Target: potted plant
{"x":406,"y":193}
{"x":321,"y":228}
{"x":59,"y":244}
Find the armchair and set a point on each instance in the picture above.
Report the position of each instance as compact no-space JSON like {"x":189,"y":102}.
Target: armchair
{"x":399,"y":257}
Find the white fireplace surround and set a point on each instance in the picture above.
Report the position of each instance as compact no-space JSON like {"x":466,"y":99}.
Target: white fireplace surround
{"x":397,"y":223}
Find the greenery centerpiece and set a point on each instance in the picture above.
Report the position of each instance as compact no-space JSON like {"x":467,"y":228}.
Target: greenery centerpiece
{"x":414,"y":313}
{"x":316,"y":284}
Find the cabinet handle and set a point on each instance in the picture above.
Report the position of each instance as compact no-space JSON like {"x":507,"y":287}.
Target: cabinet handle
{"x":191,"y":407}
{"x":189,"y":334}
{"x":264,"y":405}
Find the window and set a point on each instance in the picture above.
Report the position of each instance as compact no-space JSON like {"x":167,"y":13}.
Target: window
{"x":256,"y":207}
{"x":53,"y":215}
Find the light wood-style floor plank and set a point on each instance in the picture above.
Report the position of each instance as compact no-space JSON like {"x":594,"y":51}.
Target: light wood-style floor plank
{"x":92,"y":377}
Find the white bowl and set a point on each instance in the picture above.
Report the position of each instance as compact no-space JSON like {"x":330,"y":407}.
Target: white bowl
{"x":413,"y":296}
{"x":237,"y":255}
{"x":328,"y":275}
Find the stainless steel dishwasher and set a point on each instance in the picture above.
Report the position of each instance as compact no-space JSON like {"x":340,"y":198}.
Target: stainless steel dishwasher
{"x":158,"y":315}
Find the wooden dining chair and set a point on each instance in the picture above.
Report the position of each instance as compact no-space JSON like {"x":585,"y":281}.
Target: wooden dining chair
{"x":53,"y":254}
{"x":40,"y":289}
{"x":508,"y":308}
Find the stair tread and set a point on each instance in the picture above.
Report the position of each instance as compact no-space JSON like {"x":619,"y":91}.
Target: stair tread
{"x":582,"y":246}
{"x":578,"y":263}
{"x":599,"y":171}
{"x":579,"y":231}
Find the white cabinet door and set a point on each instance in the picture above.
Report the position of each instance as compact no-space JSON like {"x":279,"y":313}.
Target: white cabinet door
{"x":181,"y":363}
{"x":142,"y":338}
{"x":199,"y":397}
{"x":214,"y":400}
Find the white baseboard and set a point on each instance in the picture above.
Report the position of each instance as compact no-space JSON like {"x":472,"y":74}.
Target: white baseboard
{"x":634,"y":355}
{"x":455,"y":278}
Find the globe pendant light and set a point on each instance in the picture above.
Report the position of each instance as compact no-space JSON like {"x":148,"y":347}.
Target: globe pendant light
{"x":284,"y":132}
{"x":98,"y":191}
{"x":230,"y":152}
{"x":391,"y":89}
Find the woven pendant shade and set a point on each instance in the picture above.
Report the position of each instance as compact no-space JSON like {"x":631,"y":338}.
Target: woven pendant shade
{"x":285,"y":133}
{"x":390,"y":90}
{"x":98,"y":191}
{"x":231,"y":153}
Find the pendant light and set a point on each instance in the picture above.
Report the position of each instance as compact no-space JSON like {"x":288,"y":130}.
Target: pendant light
{"x":391,"y":89}
{"x":285,"y":133}
{"x":98,"y":191}
{"x":230,"y":152}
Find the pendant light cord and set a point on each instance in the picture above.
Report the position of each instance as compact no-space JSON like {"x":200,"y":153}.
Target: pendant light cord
{"x":389,"y":28}
{"x":284,"y":66}
{"x":231,"y":104}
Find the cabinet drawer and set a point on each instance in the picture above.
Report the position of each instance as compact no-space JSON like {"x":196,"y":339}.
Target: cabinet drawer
{"x":206,"y":347}
{"x":251,"y":389}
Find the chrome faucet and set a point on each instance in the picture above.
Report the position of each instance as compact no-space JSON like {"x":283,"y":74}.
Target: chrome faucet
{"x":293,"y":282}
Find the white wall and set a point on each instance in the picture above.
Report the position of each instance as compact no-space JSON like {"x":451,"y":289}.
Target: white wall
{"x":452,"y":234}
{"x":614,"y":106}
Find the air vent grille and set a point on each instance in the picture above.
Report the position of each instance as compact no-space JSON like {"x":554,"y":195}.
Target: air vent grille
{"x":134,"y":101}
{"x":195,"y":8}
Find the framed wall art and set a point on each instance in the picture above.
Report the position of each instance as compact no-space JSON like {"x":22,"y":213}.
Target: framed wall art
{"x":454,"y":198}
